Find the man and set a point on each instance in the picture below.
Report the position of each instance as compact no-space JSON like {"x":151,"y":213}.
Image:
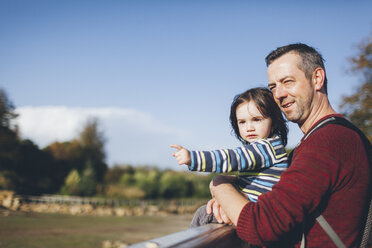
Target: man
{"x":329,"y":174}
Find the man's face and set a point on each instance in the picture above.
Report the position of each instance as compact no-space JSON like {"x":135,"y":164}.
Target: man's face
{"x":292,"y":91}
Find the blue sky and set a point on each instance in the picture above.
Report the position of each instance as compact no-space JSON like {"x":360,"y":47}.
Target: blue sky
{"x":159,"y":72}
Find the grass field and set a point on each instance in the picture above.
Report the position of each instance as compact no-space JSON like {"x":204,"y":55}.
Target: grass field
{"x":31,"y":230}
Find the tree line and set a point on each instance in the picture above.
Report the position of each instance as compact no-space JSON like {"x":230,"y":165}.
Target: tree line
{"x":78,"y":167}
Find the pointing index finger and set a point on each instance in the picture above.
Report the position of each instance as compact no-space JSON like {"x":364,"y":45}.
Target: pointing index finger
{"x":178,"y":147}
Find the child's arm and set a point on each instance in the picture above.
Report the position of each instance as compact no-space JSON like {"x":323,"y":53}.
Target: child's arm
{"x":256,"y":156}
{"x":182,"y":155}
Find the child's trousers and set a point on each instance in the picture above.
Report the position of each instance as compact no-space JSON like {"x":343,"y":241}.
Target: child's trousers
{"x":202,"y":218}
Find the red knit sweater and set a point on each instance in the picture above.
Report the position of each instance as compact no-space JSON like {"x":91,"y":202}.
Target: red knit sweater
{"x":329,"y":173}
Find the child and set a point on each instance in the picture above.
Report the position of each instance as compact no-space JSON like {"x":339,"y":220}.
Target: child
{"x":258,"y":123}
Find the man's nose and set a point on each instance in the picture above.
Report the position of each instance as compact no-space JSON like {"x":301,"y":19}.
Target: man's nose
{"x":280,"y":92}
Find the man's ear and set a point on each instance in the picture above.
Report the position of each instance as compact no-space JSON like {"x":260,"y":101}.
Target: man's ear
{"x":318,"y":78}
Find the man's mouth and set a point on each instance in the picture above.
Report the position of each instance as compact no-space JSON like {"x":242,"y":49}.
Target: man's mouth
{"x":287,"y":105}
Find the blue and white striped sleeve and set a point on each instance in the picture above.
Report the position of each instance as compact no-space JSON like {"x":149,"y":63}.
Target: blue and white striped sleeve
{"x":255,"y":156}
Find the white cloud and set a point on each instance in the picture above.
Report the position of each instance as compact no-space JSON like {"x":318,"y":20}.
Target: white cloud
{"x":133,"y":136}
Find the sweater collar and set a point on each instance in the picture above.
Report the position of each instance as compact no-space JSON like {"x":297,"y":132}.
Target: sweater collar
{"x":319,"y":122}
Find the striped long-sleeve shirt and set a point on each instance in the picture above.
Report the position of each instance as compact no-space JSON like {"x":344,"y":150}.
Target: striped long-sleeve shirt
{"x":260,"y":164}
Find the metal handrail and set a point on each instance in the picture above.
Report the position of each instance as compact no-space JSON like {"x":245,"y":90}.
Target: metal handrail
{"x":212,"y":235}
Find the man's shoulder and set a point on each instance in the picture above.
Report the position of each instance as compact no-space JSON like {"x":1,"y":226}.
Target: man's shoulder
{"x":333,"y":137}
{"x":331,"y":146}
{"x":333,"y":133}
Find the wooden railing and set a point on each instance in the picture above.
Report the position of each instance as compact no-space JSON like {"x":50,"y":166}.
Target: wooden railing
{"x":212,"y":235}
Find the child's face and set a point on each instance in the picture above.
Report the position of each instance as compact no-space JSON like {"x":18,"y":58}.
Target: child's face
{"x":252,"y":124}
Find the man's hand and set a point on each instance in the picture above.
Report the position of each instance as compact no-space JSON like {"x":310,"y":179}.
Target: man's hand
{"x":214,"y":207}
{"x":182,"y":155}
{"x":228,"y":197}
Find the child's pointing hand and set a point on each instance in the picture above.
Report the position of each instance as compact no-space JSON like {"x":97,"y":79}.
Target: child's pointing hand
{"x":182,"y":155}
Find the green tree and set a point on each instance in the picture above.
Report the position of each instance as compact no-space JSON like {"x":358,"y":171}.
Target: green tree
{"x":148,"y":181}
{"x":36,"y":170}
{"x":358,"y":106}
{"x":92,"y":143}
{"x":9,"y":142}
{"x":127,"y":179}
{"x":7,"y":180}
{"x":6,"y":110}
{"x":114,"y":175}
{"x":86,"y":155}
{"x":71,"y":186}
{"x":88,"y":182}
{"x":174,"y":185}
{"x":200,"y":184}
{"x":24,"y":168}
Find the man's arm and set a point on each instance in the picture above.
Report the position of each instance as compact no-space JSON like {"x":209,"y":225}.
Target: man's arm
{"x":228,"y":197}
